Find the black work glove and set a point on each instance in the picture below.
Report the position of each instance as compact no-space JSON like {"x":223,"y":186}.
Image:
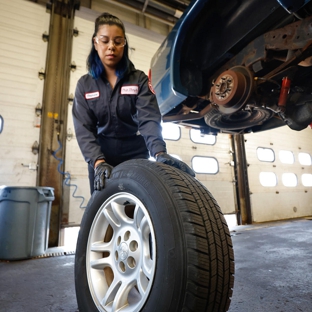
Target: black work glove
{"x":174,"y":162}
{"x":101,"y":172}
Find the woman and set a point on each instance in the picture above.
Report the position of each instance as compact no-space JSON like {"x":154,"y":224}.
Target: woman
{"x":115,"y":112}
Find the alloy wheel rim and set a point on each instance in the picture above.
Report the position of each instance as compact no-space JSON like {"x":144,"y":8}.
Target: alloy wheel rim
{"x":121,"y":254}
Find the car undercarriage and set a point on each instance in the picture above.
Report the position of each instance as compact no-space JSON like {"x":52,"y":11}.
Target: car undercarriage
{"x":240,"y":80}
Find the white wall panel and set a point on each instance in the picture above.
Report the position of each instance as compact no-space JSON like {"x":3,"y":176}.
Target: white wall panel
{"x":129,"y":16}
{"x":141,"y":51}
{"x":279,"y":202}
{"x":22,"y":55}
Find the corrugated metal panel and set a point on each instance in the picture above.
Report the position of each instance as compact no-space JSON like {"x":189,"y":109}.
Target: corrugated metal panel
{"x":279,"y":202}
{"x":22,"y":55}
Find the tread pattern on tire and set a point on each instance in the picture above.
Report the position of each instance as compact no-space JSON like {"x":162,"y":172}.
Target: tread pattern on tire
{"x":210,"y":255}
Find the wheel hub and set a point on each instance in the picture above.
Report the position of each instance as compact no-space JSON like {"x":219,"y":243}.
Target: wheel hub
{"x":123,"y":251}
{"x":224,"y":88}
{"x":127,"y":251}
{"x":232,"y":89}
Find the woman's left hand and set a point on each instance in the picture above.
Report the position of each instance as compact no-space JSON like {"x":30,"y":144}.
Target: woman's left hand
{"x":174,"y":162}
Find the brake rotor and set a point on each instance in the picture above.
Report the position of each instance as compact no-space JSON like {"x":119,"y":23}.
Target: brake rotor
{"x":232,"y":89}
{"x":238,"y":120}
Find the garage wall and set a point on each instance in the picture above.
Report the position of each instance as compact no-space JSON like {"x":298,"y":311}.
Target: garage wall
{"x":130,"y":16}
{"x":280,"y":201}
{"x":268,"y":203}
{"x":143,"y":44}
{"x":22,"y":55}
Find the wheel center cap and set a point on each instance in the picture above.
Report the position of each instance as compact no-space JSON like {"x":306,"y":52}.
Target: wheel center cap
{"x":123,"y":251}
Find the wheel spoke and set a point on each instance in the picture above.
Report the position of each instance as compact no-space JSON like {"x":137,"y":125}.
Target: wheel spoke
{"x":111,"y":293}
{"x":111,"y":217}
{"x":144,"y":227}
{"x":147,"y":266}
{"x":138,"y":215}
{"x":142,"y":283}
{"x":102,"y":247}
{"x":121,"y":298}
{"x":147,"y":245}
{"x":100,"y":264}
{"x":119,"y":213}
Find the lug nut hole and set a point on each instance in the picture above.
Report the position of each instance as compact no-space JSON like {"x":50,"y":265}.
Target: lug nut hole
{"x":127,"y":235}
{"x":133,"y":245}
{"x":122,"y":266}
{"x":131,"y":262}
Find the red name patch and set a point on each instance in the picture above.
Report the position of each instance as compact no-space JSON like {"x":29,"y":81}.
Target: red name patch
{"x":92,"y":95}
{"x":129,"y":89}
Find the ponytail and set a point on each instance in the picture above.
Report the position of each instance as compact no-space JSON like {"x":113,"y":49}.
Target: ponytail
{"x":94,"y":64}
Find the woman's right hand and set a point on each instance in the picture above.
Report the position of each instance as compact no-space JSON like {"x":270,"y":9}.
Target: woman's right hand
{"x":102,"y":171}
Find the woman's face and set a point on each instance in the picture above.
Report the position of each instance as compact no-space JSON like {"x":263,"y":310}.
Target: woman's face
{"x":109,"y":43}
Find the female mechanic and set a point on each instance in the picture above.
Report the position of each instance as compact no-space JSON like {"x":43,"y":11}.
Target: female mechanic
{"x":115,"y":111}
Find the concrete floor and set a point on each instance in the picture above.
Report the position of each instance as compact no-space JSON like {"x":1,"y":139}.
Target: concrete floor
{"x":273,"y":273}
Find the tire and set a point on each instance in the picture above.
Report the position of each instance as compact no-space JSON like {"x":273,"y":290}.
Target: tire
{"x":153,"y":240}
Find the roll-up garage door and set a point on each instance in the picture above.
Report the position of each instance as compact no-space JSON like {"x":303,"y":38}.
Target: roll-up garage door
{"x":22,"y":56}
{"x":142,"y":45}
{"x":280,"y":174}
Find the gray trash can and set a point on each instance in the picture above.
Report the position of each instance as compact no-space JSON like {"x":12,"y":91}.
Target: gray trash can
{"x":24,"y":221}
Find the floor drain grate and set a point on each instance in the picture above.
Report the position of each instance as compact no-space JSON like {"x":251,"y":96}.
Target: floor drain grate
{"x":55,"y":254}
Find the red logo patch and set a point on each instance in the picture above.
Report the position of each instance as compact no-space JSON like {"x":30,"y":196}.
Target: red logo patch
{"x":151,"y":87}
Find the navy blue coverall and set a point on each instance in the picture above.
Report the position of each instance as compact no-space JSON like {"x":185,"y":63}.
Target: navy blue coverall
{"x":117,"y":124}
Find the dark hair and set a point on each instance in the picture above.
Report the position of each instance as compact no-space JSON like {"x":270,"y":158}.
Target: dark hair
{"x":94,"y":64}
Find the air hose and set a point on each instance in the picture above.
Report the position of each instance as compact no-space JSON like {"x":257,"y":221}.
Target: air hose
{"x":67,"y":175}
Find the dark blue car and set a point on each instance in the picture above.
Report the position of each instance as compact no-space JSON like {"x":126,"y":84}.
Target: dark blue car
{"x":237,"y":66}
